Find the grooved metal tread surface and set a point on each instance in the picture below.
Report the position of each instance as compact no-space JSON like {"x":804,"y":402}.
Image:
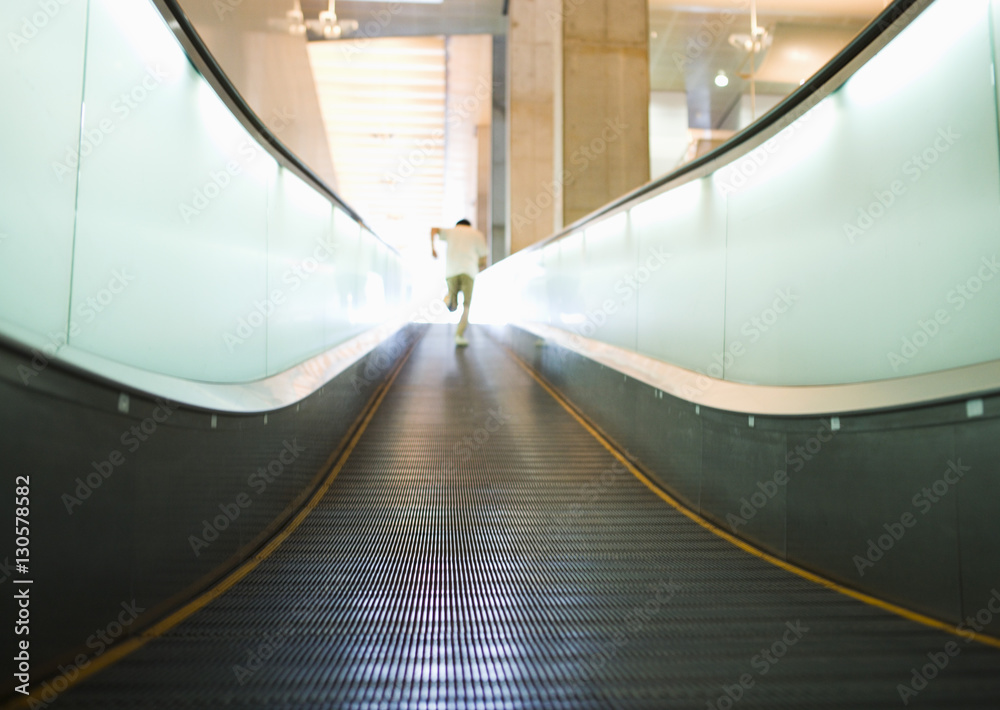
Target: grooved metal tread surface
{"x":481,"y":550}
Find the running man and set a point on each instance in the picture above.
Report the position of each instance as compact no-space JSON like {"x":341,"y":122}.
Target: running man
{"x":466,"y":258}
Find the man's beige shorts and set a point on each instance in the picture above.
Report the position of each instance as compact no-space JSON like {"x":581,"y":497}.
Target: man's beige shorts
{"x":463,"y":283}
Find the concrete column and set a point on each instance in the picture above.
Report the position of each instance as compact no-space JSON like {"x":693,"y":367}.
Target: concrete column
{"x":533,"y":52}
{"x":469,"y":112}
{"x":578,"y":107}
{"x":499,"y":236}
{"x":484,"y":176}
{"x":605,"y":102}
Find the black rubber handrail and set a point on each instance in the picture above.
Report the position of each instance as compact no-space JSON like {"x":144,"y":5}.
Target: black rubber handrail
{"x":859,"y":44}
{"x":179,"y":20}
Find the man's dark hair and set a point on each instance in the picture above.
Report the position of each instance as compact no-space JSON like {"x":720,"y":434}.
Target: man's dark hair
{"x":464,"y":223}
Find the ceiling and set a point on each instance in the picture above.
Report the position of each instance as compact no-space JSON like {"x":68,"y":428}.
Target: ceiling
{"x":817,"y":8}
{"x":805,"y":33}
{"x":414,"y":19}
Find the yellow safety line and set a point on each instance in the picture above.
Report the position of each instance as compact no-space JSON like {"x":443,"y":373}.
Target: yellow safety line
{"x":120,"y":650}
{"x":966,"y":634}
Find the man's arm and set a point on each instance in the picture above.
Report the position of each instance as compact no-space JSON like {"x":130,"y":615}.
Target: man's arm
{"x":434,"y":232}
{"x":483,"y":251}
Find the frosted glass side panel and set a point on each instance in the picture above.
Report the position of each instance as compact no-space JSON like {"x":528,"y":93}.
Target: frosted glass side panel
{"x":301,"y":276}
{"x":41,"y":81}
{"x":377,"y":288}
{"x":487,"y":306}
{"x":681,"y":237}
{"x":609,"y":284}
{"x":508,"y":291}
{"x":531,"y":302}
{"x":566,"y":275}
{"x":995,"y":17}
{"x":394,"y":282}
{"x":347,"y":245}
{"x":370,"y":290}
{"x":171,"y":234}
{"x":536,"y":303}
{"x":384,"y":269}
{"x":855,"y":244}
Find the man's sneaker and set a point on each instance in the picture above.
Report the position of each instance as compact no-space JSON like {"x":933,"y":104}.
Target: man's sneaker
{"x":461,"y":341}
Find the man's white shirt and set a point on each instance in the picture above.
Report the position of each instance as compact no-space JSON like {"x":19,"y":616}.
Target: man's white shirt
{"x":465,"y":247}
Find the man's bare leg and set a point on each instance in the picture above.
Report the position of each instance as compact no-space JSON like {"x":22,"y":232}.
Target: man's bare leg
{"x":464,"y":323}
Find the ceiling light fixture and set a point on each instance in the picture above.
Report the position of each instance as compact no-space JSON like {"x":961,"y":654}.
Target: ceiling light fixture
{"x":327,"y":25}
{"x":721,"y":79}
{"x":758,"y":42}
{"x":330,"y":27}
{"x":295,"y":21}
